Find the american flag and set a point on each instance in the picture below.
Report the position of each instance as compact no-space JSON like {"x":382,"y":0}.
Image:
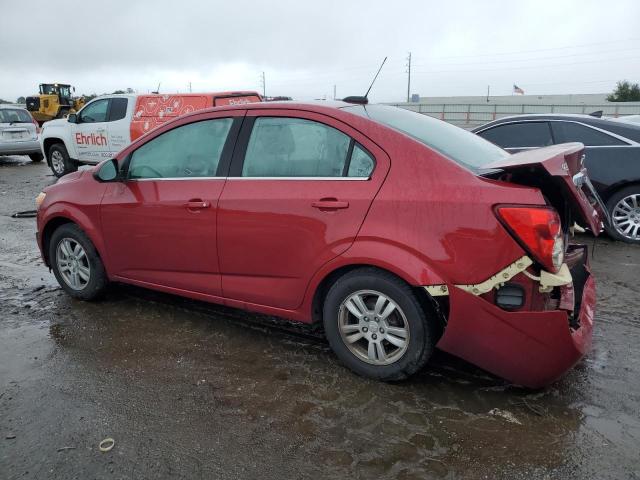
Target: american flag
{"x":517,"y":89}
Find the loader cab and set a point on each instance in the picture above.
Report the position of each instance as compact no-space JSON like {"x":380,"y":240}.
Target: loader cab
{"x":63,"y":92}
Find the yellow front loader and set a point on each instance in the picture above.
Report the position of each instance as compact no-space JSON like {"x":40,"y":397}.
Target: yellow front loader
{"x":54,"y":101}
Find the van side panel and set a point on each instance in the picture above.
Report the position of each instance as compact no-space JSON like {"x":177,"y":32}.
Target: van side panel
{"x":154,"y":110}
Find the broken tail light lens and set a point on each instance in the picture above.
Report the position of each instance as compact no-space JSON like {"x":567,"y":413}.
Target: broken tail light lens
{"x":538,"y":230}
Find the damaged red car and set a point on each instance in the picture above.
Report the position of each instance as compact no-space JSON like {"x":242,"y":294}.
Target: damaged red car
{"x":397,"y":232}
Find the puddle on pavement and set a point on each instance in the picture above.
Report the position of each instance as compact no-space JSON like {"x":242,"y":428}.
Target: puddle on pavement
{"x":186,"y":362}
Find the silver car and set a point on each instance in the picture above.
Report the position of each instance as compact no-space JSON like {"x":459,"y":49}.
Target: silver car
{"x":18,"y":133}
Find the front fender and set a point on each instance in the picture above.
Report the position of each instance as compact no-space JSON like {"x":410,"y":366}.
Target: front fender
{"x":64,"y":211}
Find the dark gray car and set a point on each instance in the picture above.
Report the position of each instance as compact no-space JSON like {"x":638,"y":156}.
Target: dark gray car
{"x":612,"y":157}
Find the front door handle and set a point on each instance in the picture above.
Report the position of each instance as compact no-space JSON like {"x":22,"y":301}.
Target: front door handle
{"x":197,"y":204}
{"x":330,"y":204}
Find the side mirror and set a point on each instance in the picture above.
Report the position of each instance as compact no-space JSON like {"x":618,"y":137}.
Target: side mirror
{"x":108,"y":172}
{"x":72,"y":118}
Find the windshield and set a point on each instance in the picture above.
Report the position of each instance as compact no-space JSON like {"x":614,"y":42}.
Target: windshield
{"x":14,"y":115}
{"x":457,"y":144}
{"x":47,"y":89}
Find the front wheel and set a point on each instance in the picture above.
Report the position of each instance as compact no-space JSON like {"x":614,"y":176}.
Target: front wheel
{"x":76,"y":263}
{"x":377,"y":326}
{"x":624,"y":208}
{"x":59,"y":160}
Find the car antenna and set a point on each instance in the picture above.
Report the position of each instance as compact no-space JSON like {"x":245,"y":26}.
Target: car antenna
{"x":364,"y":100}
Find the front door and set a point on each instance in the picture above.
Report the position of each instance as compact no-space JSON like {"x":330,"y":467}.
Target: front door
{"x":159,"y":225}
{"x":299,"y":189}
{"x":90,"y":135}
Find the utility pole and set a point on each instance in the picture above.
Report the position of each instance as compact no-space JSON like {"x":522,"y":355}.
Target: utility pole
{"x":334,"y":92}
{"x":409,"y":78}
{"x":189,"y":87}
{"x":264,"y":86}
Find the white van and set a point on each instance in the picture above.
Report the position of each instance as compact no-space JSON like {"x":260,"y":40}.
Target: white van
{"x":107,"y":124}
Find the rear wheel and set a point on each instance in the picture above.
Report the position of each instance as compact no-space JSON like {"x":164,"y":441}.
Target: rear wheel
{"x":377,"y":326}
{"x":624,"y":208}
{"x":36,"y":157}
{"x":76,"y":263}
{"x":59,"y":160}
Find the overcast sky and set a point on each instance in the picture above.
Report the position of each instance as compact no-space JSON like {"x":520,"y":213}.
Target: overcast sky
{"x":307,"y":47}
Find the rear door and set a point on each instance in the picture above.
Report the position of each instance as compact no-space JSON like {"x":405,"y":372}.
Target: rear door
{"x":159,"y":225}
{"x":118,"y":122}
{"x":300,"y":186}
{"x":519,"y":136}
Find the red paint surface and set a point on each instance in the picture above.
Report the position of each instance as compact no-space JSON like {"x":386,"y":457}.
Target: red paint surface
{"x":263,"y":246}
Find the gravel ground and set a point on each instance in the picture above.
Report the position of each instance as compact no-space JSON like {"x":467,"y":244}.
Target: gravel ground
{"x":189,"y":390}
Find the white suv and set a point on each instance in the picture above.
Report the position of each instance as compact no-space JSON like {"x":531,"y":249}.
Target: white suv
{"x":18,"y":133}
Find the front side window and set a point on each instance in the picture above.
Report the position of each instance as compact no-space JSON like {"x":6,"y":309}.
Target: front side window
{"x":574,"y":132}
{"x":519,"y":135}
{"x":191,"y":150}
{"x":95,"y":112}
{"x":295,"y":147}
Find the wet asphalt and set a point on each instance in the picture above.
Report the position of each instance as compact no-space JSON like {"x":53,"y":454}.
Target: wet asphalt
{"x":190,"y":390}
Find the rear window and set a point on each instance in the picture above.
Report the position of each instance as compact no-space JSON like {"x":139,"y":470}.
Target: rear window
{"x":461,"y":146}
{"x":235,"y":100}
{"x":14,"y":115}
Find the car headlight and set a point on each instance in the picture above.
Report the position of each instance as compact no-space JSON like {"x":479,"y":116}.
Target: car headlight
{"x":40,"y":199}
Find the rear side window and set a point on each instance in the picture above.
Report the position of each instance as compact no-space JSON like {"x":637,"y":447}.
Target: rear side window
{"x":575,"y":132}
{"x":14,"y":115}
{"x":361,"y":164}
{"x":295,"y":147}
{"x":519,"y":135}
{"x":191,"y":150}
{"x":118,"y":109}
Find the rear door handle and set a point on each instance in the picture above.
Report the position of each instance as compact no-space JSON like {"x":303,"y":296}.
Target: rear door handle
{"x":330,"y":204}
{"x":197,"y":204}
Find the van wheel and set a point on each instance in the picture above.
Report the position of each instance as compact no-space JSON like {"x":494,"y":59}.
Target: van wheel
{"x":36,"y":157}
{"x":76,"y":263}
{"x":624,"y":208}
{"x":376,"y":325}
{"x":59,"y":160}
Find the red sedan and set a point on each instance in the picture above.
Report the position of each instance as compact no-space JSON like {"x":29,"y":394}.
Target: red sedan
{"x":399,"y":232}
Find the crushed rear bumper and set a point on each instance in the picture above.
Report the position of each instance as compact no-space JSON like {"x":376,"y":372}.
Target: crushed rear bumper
{"x":529,"y":348}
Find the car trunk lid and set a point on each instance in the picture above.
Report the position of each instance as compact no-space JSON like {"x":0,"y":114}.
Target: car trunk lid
{"x":558,"y":172}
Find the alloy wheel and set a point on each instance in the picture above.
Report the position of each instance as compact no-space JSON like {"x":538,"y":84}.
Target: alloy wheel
{"x":57,"y":162}
{"x":626,"y":217}
{"x":73,"y":263}
{"x":373,"y":327}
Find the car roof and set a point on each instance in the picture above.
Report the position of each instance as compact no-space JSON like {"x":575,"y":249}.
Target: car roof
{"x":627,"y":130}
{"x":13,"y":107}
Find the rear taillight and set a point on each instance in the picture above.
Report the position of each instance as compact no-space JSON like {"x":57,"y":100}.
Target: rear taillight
{"x":35,"y":122}
{"x":539,"y":231}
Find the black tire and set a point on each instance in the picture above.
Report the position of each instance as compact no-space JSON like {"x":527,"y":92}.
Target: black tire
{"x":421,"y":323}
{"x":611,"y":204}
{"x":59,"y":160}
{"x":36,"y":157}
{"x":97,"y":282}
